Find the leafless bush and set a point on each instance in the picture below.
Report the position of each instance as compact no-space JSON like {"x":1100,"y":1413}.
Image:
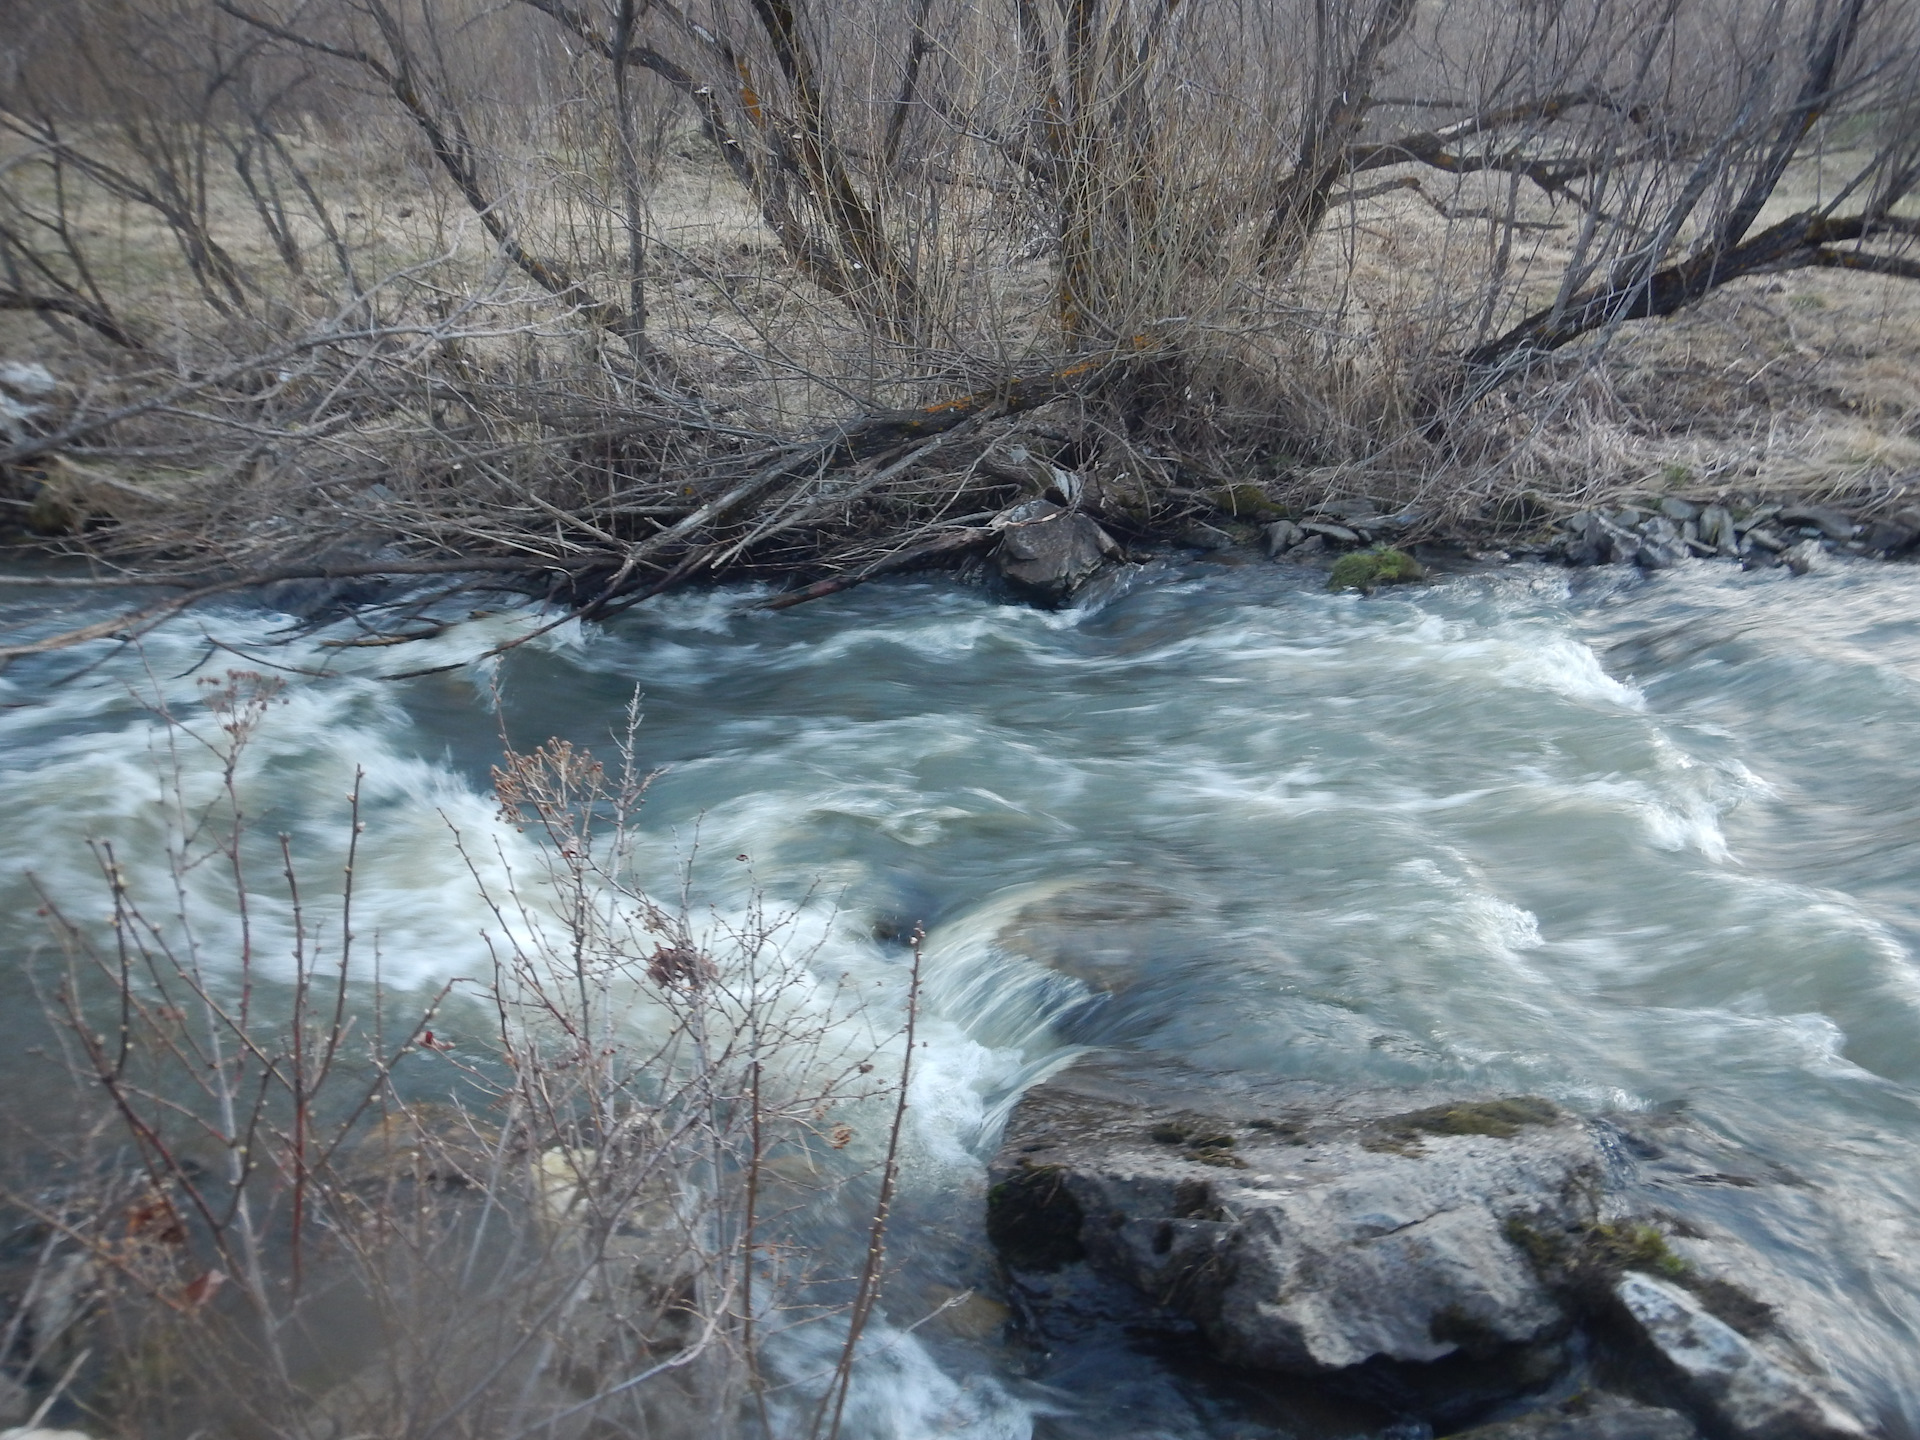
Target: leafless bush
{"x":389,"y":273}
{"x":566,"y":1195}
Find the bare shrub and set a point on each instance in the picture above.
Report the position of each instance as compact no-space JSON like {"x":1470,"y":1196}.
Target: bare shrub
{"x":570,"y":1194}
{"x":340,"y":275}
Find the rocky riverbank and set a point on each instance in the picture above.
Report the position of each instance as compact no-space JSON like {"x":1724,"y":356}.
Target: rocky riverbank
{"x":1049,"y":551}
{"x":1468,"y":1264}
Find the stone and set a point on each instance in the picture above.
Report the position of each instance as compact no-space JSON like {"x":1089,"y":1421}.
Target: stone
{"x":1312,"y":545}
{"x":1807,"y":555}
{"x":36,"y":1433}
{"x":1829,"y":522}
{"x":1766,"y":538}
{"x":1302,"y":1230}
{"x":1281,"y":536}
{"x":1339,"y":534}
{"x":1046,"y":553}
{"x":1661,"y":547}
{"x":1890,"y":537}
{"x":1744,"y":1393}
{"x":1354,"y":509}
{"x":1675,"y":508}
{"x":1367,"y":570}
{"x":1201,"y":536}
{"x":1716,"y":529}
{"x":1590,"y":1415}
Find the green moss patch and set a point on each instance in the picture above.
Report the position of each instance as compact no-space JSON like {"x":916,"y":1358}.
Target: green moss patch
{"x":1247,"y":502}
{"x":1367,"y":570}
{"x":1503,"y":1119}
{"x":1034,"y":1220}
{"x":1586,"y":1261}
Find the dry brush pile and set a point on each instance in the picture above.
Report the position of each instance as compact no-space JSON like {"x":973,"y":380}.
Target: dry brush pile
{"x":624,"y":294}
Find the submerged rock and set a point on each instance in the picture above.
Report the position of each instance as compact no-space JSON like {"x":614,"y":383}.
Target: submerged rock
{"x":1046,"y":553}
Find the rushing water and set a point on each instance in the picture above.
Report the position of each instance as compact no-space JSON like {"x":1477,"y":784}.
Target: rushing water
{"x":1630,"y":842}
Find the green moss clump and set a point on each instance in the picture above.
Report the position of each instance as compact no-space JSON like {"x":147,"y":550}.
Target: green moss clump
{"x":1034,"y":1220}
{"x":1590,"y":1258}
{"x":1247,"y":502}
{"x":1367,"y":570}
{"x":1503,"y":1118}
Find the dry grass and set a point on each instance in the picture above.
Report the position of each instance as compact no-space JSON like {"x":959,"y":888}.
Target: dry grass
{"x":431,"y":344}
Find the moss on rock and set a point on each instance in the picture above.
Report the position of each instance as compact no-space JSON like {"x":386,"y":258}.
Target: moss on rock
{"x":1367,"y":570}
{"x":1502,"y":1118}
{"x":1248,"y":502}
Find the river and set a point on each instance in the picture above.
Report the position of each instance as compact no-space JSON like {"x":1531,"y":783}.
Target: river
{"x":1630,"y":842}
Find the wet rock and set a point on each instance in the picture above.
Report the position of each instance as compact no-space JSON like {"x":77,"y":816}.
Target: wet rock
{"x":1301,"y":1230}
{"x":1046,"y":553}
{"x":1281,"y":536}
{"x":1437,"y":1255}
{"x":1590,"y":1415}
{"x":1746,"y":1394}
{"x":1311,"y":546}
{"x":1829,"y":522}
{"x":1367,"y":570}
{"x":1807,"y":555}
{"x":1766,"y":538}
{"x":1338,"y":534}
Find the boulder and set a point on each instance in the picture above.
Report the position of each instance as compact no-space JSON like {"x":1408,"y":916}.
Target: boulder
{"x":1443,"y":1255}
{"x":1748,"y":1395}
{"x":1338,"y":534}
{"x":1590,"y":1415}
{"x":1046,"y":553}
{"x":1304,"y":1231}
